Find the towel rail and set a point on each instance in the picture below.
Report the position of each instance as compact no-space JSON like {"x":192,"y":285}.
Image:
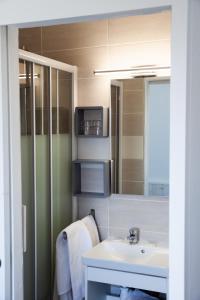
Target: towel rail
{"x":91,"y":213}
{"x":64,"y":235}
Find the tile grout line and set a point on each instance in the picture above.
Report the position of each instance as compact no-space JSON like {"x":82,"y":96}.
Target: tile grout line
{"x":109,"y":45}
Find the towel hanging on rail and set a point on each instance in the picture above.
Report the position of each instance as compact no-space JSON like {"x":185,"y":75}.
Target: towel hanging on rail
{"x":90,"y":222}
{"x":71,"y":244}
{"x":69,"y":268}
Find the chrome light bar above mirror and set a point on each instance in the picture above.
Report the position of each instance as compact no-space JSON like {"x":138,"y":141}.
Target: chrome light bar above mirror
{"x":135,"y":72}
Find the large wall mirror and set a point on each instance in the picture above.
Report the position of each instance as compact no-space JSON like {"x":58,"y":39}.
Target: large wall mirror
{"x":140,"y":122}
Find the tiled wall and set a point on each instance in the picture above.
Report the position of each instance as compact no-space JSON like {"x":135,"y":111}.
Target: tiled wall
{"x":116,"y":214}
{"x":111,"y":43}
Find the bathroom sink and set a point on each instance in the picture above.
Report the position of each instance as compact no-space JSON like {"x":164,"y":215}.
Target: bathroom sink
{"x":142,"y":258}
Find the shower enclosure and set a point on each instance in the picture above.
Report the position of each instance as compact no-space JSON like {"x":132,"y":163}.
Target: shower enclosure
{"x":47,"y":90}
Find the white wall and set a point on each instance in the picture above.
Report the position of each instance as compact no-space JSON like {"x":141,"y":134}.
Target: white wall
{"x":22,"y":11}
{"x":178,"y":142}
{"x":192,"y":212}
{"x":4,"y":174}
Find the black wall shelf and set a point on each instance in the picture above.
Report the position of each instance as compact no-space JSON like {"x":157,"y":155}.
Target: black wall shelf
{"x":92,"y":121}
{"x":91,"y":178}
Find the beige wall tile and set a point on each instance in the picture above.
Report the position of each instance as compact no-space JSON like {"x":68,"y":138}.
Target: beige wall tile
{"x":86,"y":59}
{"x":133,"y":147}
{"x":133,"y":170}
{"x":133,"y":124}
{"x":77,"y":35}
{"x":140,"y":28}
{"x":31,"y":39}
{"x":133,"y":101}
{"x":65,"y":92}
{"x":133,"y":188}
{"x":133,"y":84}
{"x":146,"y":53}
{"x":94,"y":91}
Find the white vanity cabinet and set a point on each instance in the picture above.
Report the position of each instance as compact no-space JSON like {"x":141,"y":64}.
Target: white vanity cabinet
{"x":120,"y":264}
{"x":98,"y":282}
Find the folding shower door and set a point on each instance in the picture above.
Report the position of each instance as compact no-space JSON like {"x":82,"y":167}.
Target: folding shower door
{"x":46,"y":96}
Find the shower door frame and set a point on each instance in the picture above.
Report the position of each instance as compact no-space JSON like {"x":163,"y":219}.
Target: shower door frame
{"x":59,"y":66}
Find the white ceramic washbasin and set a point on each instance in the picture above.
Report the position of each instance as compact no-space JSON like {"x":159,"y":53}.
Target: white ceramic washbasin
{"x":142,"y":258}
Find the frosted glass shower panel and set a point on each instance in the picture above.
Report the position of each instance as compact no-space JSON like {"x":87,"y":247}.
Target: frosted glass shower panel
{"x":42,"y":181}
{"x":61,"y":150}
{"x":46,"y":148}
{"x":26,"y":77}
{"x":27,"y":134}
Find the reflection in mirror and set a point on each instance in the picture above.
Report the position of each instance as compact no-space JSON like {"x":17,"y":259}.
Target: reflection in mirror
{"x":140,"y":113}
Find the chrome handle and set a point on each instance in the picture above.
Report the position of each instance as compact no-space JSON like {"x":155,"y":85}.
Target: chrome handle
{"x":24,"y":214}
{"x":111,"y":176}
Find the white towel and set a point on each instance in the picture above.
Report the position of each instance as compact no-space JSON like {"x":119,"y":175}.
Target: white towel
{"x":63,"y":280}
{"x":129,"y":294}
{"x":92,"y":228}
{"x":124,"y":294}
{"x":69,"y":267}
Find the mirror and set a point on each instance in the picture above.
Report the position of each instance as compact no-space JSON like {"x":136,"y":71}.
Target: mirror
{"x":140,"y":121}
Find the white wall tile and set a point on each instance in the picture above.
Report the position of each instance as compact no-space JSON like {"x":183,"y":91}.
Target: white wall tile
{"x":101,"y":209}
{"x":116,"y":214}
{"x":147,"y":215}
{"x":104,"y":232}
{"x":93,"y":148}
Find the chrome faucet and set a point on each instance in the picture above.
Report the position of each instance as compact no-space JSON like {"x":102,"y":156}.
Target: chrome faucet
{"x":134,"y":235}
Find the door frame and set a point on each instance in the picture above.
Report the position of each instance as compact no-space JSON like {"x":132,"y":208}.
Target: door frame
{"x":179,"y":102}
